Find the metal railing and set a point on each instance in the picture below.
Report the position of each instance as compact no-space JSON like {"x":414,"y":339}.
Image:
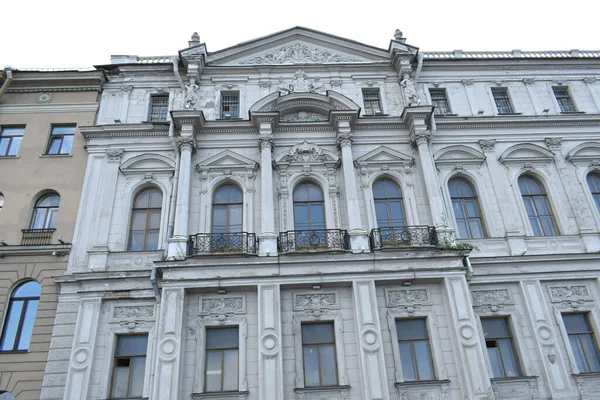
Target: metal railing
{"x":37,"y":237}
{"x":313,"y":240}
{"x":222,"y":243}
{"x":404,"y":236}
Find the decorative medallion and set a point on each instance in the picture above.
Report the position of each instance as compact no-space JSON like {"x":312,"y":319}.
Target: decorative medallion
{"x":44,"y":98}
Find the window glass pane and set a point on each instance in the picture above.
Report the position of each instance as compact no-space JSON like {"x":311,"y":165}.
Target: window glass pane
{"x":542,"y":205}
{"x":67,"y":143}
{"x":407,"y":361}
{"x":301,"y":216}
{"x":134,"y":345}
{"x":453,"y":188}
{"x":594,"y":182}
{"x":138,"y":220}
{"x":411,"y":329}
{"x":222,"y":338}
{"x":576,"y":323}
{"x":379,"y":190}
{"x":328,"y":365}
{"x":54,"y":145}
{"x":381,"y":211}
{"x":52,"y":200}
{"x":136,"y":384}
{"x":577,"y":349}
{"x":463,"y":229}
{"x":314,"y":193}
{"x":235,"y":194}
{"x":495,"y":327}
{"x":591,"y":351}
{"x":39,"y":218}
{"x":423,"y":360}
{"x":151,"y":240}
{"x":230,"y":370}
{"x":4,"y":146}
{"x":466,"y":190}
{"x":11,"y":325}
{"x":472,"y":208}
{"x":120,"y":379}
{"x":63,"y":130}
{"x":317,"y":215}
{"x":311,"y":366}
{"x":221,"y":195}
{"x":27,"y":327}
{"x":51,"y":218}
{"x":14,"y":146}
{"x":235,"y":217}
{"x":27,"y":289}
{"x":459,"y":211}
{"x":496,"y":362}
{"x":141,"y":201}
{"x":476,"y":228}
{"x":529,"y":206}
{"x":317,"y":333}
{"x":155,"y":198}
{"x":508,"y":356}
{"x":213,"y":370}
{"x":392,"y":189}
{"x":536,"y":227}
{"x":549,"y":227}
{"x":396,"y":210}
{"x":154,"y":220}
{"x":301,"y":193}
{"x":137,"y":240}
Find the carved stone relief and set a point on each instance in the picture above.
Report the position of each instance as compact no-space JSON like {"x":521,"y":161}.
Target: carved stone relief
{"x":301,"y":84}
{"x":571,"y":296}
{"x":315,"y":304}
{"x":44,"y":98}
{"x":516,"y":389}
{"x":432,"y":390}
{"x":304,"y":116}
{"x":492,"y":300}
{"x":297,"y":53}
{"x":222,"y":307}
{"x":408,"y":300}
{"x":133,"y":312}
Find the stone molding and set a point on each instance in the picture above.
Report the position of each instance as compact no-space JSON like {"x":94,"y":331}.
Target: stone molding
{"x":299,"y":53}
{"x":114,"y":155}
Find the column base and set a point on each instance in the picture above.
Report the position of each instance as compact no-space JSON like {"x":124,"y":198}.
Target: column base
{"x":359,"y":241}
{"x":267,"y":245}
{"x":177,"y":248}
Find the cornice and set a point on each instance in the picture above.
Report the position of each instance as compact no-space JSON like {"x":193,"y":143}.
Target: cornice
{"x":517,"y":122}
{"x":123,"y":130}
{"x":48,"y":108}
{"x":36,"y":89}
{"x":57,"y":250}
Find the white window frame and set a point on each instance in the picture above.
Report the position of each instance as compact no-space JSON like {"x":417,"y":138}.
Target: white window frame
{"x":593,"y":318}
{"x":377,"y":90}
{"x":511,"y":97}
{"x":373,"y":84}
{"x":555,"y":102}
{"x":338,"y":329}
{"x":228,"y":92}
{"x":430,"y":100}
{"x":169,"y":105}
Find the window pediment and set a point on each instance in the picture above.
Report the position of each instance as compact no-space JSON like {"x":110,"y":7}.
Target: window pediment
{"x":148,"y":163}
{"x":384,"y":156}
{"x":585,"y":153}
{"x":463,"y":155}
{"x":525,"y":154}
{"x":227,"y":160}
{"x":307,"y":153}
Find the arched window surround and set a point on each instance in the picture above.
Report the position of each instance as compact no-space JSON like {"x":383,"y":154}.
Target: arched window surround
{"x":230,"y":203}
{"x":310,"y":220}
{"x":7,"y":310}
{"x":319,"y":180}
{"x":481,"y":202}
{"x":128,"y":207}
{"x":147,"y":219}
{"x":387,"y":177}
{"x":556,"y":211}
{"x":589,"y":194}
{"x":34,"y":201}
{"x":206,"y":203}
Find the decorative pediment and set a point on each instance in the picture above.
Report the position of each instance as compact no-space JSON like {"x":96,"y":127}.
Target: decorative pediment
{"x":306,"y":153}
{"x":227,"y":160}
{"x":526,"y":154}
{"x":148,"y":164}
{"x":585,"y":153}
{"x":298,"y":46}
{"x":304,"y":105}
{"x":384,"y":156}
{"x":462,"y":155}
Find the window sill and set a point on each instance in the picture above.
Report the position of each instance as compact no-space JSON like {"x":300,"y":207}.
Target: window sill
{"x":319,"y":392}
{"x":221,"y":395}
{"x":509,"y":114}
{"x":9,"y":157}
{"x":572,"y":112}
{"x":157,"y":122}
{"x":513,"y":378}
{"x":229,"y":119}
{"x":375,"y":115}
{"x":444,"y":115}
{"x":423,"y":383}
{"x":55,"y":155}
{"x":431,"y":389}
{"x":14,"y":352}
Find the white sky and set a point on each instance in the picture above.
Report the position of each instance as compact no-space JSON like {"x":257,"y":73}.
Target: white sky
{"x":82,"y":33}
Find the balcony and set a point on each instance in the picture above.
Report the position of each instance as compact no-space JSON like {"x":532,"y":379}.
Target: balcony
{"x":37,"y":237}
{"x":404,"y":236}
{"x":202,"y":244}
{"x":314,"y":240}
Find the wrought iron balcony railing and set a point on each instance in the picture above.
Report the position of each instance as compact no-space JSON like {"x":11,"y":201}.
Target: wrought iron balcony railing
{"x":403,"y":236}
{"x":319,"y":240}
{"x":37,"y":237}
{"x":222,"y":243}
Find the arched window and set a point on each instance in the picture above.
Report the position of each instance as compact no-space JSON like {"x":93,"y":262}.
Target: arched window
{"x":537,"y":206}
{"x":466,"y":209}
{"x":227,"y":209}
{"x":145,"y":220}
{"x":20,"y":317}
{"x":593,"y":181}
{"x":389,"y":206}
{"x":45,"y":211}
{"x":309,"y":208}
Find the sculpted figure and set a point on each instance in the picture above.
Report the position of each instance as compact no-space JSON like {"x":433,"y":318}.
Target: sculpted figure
{"x":191,"y":95}
{"x":410,"y":91}
{"x":283,"y":88}
{"x":317,"y":86}
{"x":300,"y":83}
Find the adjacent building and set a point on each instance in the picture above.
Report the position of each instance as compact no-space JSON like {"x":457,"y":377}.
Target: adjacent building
{"x":302,"y":216}
{"x":42,"y":166}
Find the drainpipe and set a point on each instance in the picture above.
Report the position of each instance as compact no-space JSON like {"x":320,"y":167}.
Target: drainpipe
{"x":8,"y":81}
{"x":154,"y":282}
{"x":467,"y":263}
{"x":175,"y":61}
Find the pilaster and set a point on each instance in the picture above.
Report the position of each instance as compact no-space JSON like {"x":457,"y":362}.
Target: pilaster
{"x":591,"y":84}
{"x":471,"y":97}
{"x":98,"y":254}
{"x":529,"y":84}
{"x":82,"y":352}
{"x":267,"y":239}
{"x":169,"y":333}
{"x":270,"y":361}
{"x":475,"y":381}
{"x":371,"y":356}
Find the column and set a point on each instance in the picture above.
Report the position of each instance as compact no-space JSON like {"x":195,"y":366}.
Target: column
{"x":267,"y":240}
{"x":436,"y":206}
{"x":270,"y":361}
{"x":178,"y":243}
{"x":554,"y":369}
{"x":372,"y":365}
{"x":98,"y":254}
{"x":169,"y":333}
{"x":515,"y":234}
{"x":468,"y":84}
{"x":475,"y":381}
{"x":358,"y":236}
{"x":82,"y":352}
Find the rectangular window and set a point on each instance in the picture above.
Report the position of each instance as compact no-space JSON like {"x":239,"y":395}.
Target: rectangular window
{"x":222,"y":359}
{"x":129,"y":366}
{"x":318,"y":349}
{"x":583,"y":342}
{"x":565,"y":104}
{"x":230,"y":105}
{"x":372,"y":101}
{"x":61,"y":139}
{"x":415,"y":353}
{"x":500,"y":347}
{"x":10,"y":140}
{"x":502,"y":101}
{"x":439,"y":101}
{"x":159,"y":107}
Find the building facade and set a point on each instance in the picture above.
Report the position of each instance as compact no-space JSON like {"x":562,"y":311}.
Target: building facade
{"x":42,"y":160}
{"x":302,"y":216}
